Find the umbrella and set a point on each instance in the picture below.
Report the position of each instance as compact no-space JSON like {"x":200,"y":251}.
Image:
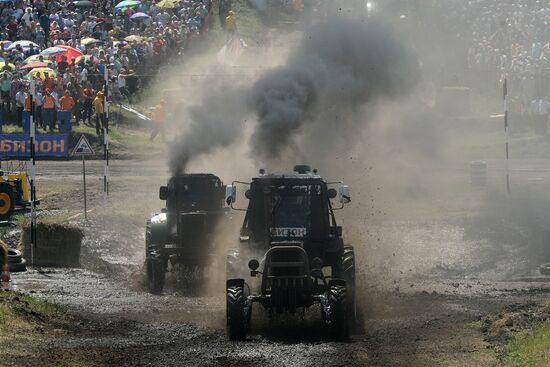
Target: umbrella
{"x":33,"y":58}
{"x":34,"y":64}
{"x":84,"y":4}
{"x":139,"y":16}
{"x":53,"y":51}
{"x":11,"y":66}
{"x":168,"y":4}
{"x":127,"y":4}
{"x":86,"y":58}
{"x":88,"y":41}
{"x":41,"y":72}
{"x":5,"y":44}
{"x":24,"y":44}
{"x":70,"y":52}
{"x":135,"y":38}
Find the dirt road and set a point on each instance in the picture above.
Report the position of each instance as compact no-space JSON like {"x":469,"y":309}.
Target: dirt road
{"x":426,"y":282}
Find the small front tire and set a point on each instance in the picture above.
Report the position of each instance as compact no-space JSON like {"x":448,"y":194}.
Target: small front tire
{"x":338,"y":321}
{"x":155,"y":276}
{"x":236,"y":319}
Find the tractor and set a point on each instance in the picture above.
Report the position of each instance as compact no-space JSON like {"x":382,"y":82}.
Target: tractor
{"x":182,"y":233}
{"x":14,"y":192}
{"x":290,"y":226}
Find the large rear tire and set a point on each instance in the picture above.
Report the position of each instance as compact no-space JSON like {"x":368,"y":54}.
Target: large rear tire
{"x":155,"y":275}
{"x":338,"y":321}
{"x":7,"y":201}
{"x":236,"y":319}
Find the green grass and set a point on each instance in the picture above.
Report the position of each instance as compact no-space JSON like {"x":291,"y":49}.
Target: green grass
{"x":530,"y":349}
{"x":249,"y":26}
{"x":18,"y":310}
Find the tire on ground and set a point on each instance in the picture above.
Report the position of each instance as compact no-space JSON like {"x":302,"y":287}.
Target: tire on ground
{"x":16,"y":267}
{"x":14,"y":256}
{"x":545,"y":269}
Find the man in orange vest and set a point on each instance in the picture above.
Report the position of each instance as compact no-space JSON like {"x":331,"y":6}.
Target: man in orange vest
{"x":48,"y":108}
{"x":66,"y":104}
{"x":158,"y":116}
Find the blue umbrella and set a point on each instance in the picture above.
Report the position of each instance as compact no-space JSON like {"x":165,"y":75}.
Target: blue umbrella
{"x":126,"y":4}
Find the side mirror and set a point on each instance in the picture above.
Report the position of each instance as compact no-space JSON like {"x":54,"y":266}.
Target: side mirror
{"x":230,"y":194}
{"x":345,"y":197}
{"x":163,"y":193}
{"x":332,"y":193}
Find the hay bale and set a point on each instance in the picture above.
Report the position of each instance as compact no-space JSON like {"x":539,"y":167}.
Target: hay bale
{"x":56,"y":244}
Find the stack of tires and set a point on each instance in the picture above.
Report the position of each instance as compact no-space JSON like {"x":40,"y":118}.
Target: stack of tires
{"x":16,"y":262}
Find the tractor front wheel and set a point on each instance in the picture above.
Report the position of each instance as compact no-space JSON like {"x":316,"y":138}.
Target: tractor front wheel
{"x":338,"y":321}
{"x":236,"y":319}
{"x":155,"y":275}
{"x":7,"y":201}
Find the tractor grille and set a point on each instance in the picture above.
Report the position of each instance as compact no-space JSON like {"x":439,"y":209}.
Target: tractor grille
{"x":286,"y":278}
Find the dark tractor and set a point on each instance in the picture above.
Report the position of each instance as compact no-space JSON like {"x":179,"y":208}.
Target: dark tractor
{"x":182,"y":233}
{"x":290,"y":226}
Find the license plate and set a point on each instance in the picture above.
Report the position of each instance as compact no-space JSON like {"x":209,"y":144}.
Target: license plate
{"x":170,"y":246}
{"x":288,"y":232}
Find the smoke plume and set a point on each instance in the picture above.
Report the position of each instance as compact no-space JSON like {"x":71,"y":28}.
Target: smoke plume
{"x":340,"y":66}
{"x":213,"y":124}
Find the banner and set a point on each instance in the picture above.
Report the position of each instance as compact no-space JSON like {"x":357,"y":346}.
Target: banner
{"x":46,"y":145}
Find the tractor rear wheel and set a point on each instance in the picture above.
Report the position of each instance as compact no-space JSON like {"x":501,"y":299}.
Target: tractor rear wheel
{"x":155,"y":275}
{"x":236,"y":321}
{"x":7,"y":201}
{"x":338,"y":322}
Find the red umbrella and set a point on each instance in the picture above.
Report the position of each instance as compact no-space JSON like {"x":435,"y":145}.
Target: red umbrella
{"x":71,"y":52}
{"x":34,"y":64}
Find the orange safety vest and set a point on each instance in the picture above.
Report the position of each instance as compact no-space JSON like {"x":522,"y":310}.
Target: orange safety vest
{"x":27,"y":103}
{"x":66,"y":103}
{"x":49,"y":102}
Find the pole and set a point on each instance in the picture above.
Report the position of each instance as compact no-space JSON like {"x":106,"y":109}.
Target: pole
{"x":84,"y":184}
{"x":106,"y":132}
{"x":506,"y":133}
{"x":32,"y":168}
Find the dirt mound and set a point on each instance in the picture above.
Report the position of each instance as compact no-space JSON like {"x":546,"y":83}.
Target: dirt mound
{"x":501,"y":327}
{"x":56,"y":244}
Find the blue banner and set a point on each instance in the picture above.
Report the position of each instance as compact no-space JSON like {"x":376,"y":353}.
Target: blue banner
{"x":46,"y":145}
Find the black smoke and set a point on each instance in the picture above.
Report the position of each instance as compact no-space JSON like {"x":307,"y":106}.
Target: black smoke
{"x":340,"y":66}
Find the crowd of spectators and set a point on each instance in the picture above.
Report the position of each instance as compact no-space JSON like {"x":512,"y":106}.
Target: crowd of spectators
{"x":506,"y":39}
{"x":71,"y":48}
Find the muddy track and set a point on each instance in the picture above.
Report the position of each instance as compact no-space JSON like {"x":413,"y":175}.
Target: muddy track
{"x":421,"y":307}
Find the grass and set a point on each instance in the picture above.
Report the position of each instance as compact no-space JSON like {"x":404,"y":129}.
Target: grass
{"x":20,"y":311}
{"x":530,"y":349}
{"x":249,"y":26}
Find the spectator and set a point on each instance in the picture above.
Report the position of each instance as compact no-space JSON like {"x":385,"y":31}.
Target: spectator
{"x":20,"y":104}
{"x":99,"y":113}
{"x":48,"y":108}
{"x":66,"y":104}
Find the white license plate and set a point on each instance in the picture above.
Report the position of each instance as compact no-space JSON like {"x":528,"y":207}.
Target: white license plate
{"x":288,"y":232}
{"x":170,"y":246}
